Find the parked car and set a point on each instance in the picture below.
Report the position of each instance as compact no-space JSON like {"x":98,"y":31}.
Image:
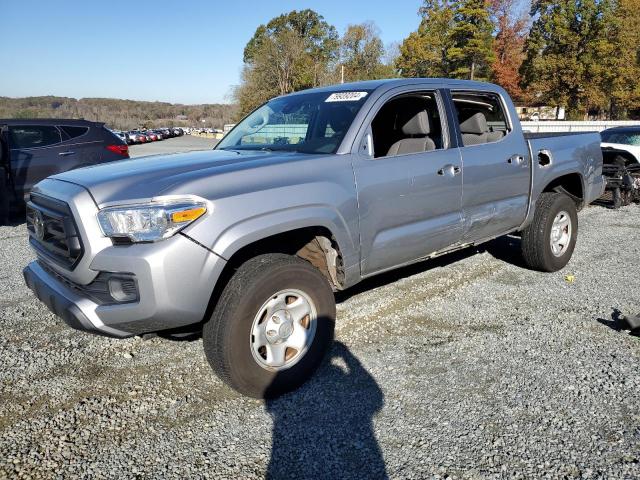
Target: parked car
{"x":310,"y":194}
{"x":138,"y":137}
{"x":160,"y":135}
{"x":623,"y":138}
{"x":35,"y":149}
{"x":124,"y":136}
{"x":151,"y":136}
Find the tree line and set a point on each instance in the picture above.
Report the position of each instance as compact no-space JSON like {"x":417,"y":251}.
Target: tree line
{"x":583,"y":55}
{"x":119,"y":114}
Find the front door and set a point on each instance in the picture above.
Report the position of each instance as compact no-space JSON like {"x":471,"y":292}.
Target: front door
{"x":409,"y":182}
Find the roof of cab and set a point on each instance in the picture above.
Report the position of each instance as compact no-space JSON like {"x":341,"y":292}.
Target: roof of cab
{"x":372,"y":85}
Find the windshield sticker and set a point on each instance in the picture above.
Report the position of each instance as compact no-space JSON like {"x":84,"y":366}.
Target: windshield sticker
{"x":346,"y":96}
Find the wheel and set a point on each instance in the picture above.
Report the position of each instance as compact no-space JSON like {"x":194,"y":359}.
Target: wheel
{"x":271,"y":327}
{"x":548,"y":242}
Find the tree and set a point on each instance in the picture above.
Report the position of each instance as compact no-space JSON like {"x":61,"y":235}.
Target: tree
{"x":620,"y":55}
{"x":293,"y":51}
{"x":471,"y":55}
{"x":362,"y":53}
{"x":563,"y":53}
{"x":511,"y":30}
{"x":425,"y":52}
{"x":454,"y":39}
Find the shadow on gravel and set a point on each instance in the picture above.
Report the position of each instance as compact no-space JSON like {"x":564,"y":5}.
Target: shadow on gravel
{"x":325,"y":428}
{"x":506,"y":249}
{"x":620,"y":323}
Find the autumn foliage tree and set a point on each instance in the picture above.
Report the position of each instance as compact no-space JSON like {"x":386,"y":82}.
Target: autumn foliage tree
{"x":511,"y":28}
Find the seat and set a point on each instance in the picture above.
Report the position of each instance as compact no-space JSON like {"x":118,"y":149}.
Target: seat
{"x":475,"y":130}
{"x":417,"y":128}
{"x":495,"y":135}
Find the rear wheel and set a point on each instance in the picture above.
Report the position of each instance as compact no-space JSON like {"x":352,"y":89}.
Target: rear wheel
{"x":548,"y":242}
{"x":271,"y":327}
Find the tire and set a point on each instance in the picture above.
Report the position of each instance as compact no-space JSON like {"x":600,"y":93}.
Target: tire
{"x":229,"y":337}
{"x":537,"y":248}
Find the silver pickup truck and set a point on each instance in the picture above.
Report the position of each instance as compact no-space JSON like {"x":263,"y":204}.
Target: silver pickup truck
{"x":308,"y":195}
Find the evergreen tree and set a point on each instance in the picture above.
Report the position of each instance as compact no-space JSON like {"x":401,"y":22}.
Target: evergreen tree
{"x":472,"y":52}
{"x":620,"y":58}
{"x":425,"y":53}
{"x":563,"y":54}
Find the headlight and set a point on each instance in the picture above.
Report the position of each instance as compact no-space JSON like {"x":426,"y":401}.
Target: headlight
{"x":150,"y":222}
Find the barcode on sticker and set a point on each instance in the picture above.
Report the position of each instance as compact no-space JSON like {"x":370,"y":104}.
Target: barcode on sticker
{"x":346,"y":96}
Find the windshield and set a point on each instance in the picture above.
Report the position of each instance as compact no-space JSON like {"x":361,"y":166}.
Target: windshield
{"x":309,"y":122}
{"x":626,"y":138}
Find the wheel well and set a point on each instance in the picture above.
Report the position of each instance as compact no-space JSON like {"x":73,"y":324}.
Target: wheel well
{"x":570,"y":185}
{"x":317,"y":245}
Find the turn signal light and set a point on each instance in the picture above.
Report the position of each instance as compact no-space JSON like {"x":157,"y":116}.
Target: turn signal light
{"x":188,"y":215}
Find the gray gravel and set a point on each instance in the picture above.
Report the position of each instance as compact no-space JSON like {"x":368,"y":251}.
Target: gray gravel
{"x":466,"y":367}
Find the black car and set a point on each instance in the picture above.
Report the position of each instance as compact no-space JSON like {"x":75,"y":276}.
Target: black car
{"x":34,"y":149}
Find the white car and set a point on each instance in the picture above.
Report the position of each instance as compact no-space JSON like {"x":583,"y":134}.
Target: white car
{"x":623,"y":138}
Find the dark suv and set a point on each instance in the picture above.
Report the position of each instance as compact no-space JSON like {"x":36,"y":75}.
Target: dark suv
{"x":34,"y":149}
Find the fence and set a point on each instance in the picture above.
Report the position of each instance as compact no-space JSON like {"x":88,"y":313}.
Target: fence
{"x":569,"y":126}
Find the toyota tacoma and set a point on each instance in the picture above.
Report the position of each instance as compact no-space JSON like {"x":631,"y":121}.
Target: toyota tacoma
{"x":308,"y":195}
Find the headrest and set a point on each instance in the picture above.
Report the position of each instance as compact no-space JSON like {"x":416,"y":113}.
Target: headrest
{"x":418,"y":124}
{"x":476,"y":124}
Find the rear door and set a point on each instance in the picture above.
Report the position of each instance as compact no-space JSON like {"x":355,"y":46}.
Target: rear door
{"x":496,"y":165}
{"x":81,"y":146}
{"x":35,"y":154}
{"x":409,"y":202}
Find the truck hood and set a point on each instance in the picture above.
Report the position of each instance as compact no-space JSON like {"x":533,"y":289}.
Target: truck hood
{"x":143,"y":178}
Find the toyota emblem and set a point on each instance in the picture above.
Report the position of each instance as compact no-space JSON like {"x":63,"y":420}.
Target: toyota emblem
{"x":38,"y":225}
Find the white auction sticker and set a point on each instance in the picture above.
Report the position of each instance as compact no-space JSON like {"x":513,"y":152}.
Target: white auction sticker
{"x":346,"y":96}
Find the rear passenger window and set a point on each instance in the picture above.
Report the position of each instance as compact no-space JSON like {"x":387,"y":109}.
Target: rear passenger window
{"x":73,"y":132}
{"x":32,"y":136}
{"x":408,"y":123}
{"x":481,"y":117}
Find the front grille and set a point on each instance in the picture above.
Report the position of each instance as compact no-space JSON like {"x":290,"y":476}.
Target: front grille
{"x":52,"y":231}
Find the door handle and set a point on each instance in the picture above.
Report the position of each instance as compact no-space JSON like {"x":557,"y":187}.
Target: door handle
{"x":517,"y":159}
{"x":449,"y":170}
{"x":65,"y":154}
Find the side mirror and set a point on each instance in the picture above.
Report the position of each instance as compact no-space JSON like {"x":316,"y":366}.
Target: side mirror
{"x":366,"y":147}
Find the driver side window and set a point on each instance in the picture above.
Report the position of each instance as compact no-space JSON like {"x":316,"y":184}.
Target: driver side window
{"x":408,"y":123}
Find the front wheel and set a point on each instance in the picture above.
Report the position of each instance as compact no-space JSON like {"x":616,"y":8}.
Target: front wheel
{"x":548,"y":242}
{"x":271,"y":327}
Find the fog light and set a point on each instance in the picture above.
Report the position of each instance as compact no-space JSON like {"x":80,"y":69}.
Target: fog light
{"x":123,"y":289}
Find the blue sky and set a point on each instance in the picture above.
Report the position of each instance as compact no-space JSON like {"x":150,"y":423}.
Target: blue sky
{"x":181,"y":52}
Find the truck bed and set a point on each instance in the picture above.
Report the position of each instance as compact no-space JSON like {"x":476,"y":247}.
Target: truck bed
{"x":538,"y":135}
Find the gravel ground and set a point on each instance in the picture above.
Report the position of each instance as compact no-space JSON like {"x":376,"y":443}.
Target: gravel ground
{"x":469,"y":366}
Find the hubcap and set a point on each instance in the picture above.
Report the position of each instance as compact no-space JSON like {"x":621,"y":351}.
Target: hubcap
{"x":560,"y":234}
{"x":283,"y":329}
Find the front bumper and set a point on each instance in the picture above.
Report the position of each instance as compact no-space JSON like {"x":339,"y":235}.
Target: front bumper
{"x":175,"y":279}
